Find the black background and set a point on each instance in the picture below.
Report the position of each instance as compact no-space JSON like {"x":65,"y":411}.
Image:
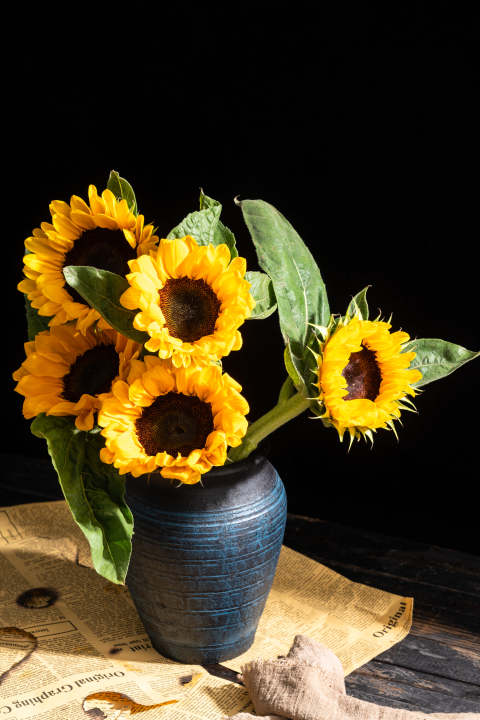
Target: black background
{"x":364,"y":142}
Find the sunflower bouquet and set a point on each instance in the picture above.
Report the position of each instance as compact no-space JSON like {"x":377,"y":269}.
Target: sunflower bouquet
{"x":127,"y":331}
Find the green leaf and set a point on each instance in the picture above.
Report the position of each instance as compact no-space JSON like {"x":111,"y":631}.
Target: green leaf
{"x":358,"y":302}
{"x":436,"y":358}
{"x":263,"y":294}
{"x":36,"y":323}
{"x":298,"y":285}
{"x":222,"y":234}
{"x":200,"y":224}
{"x":295,"y":370}
{"x":122,"y":189}
{"x":302,"y":369}
{"x":207,"y":202}
{"x":206,"y":227}
{"x":102,"y":290}
{"x":94,"y":492}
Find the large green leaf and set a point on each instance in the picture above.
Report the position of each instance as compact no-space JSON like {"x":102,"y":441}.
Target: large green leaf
{"x":263,"y":294}
{"x":437,"y":358}
{"x":298,"y":285}
{"x":36,"y":323}
{"x":225,"y":236}
{"x":123,"y":190}
{"x":94,"y":492}
{"x":222,"y":234}
{"x":358,"y":302}
{"x":200,"y":224}
{"x":205,"y":226}
{"x":102,"y":290}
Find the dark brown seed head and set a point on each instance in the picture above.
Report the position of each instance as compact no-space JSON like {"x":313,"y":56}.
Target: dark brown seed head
{"x":175,"y":423}
{"x":103,"y":249}
{"x":190,"y":308}
{"x":92,"y":373}
{"x":363,"y":375}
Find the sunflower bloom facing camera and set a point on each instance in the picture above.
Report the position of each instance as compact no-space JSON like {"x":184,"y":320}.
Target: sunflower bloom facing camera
{"x":364,"y":378}
{"x":66,"y":373}
{"x":104,"y":234}
{"x":192,"y":300}
{"x":178,"y":420}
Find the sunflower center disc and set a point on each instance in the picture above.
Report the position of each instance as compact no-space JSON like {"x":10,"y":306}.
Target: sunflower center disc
{"x":175,"y":423}
{"x":103,"y":249}
{"x":363,"y":376}
{"x":92,"y":373}
{"x":190,"y":308}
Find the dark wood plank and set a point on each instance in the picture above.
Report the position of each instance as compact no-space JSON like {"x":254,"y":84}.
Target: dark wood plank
{"x":400,"y":558}
{"x":434,"y":658}
{"x":454,"y":628}
{"x":26,"y":480}
{"x":17,"y":496}
{"x":376,"y":674}
{"x":428,"y":704}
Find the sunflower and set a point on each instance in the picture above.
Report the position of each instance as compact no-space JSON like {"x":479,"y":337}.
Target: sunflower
{"x":177,"y":419}
{"x":66,"y":373}
{"x":192,"y":300}
{"x":104,"y":235}
{"x":363,"y":377}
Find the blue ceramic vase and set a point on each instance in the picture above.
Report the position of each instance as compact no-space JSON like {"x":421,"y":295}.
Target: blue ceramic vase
{"x":204,"y":557}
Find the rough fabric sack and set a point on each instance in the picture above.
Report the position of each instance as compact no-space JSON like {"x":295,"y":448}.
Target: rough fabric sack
{"x":309,"y":685}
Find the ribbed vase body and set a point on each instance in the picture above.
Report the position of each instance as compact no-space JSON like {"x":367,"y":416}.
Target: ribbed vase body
{"x":204,"y":558}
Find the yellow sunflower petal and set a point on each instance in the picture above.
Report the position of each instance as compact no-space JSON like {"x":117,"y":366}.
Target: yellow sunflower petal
{"x":50,"y":247}
{"x":53,"y":381}
{"x":158,"y":392}
{"x":184,"y":474}
{"x":363,"y":376}
{"x":182,"y":280}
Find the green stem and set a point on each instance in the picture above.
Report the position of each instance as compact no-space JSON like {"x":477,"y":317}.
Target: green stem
{"x":265,"y":425}
{"x":287,"y":390}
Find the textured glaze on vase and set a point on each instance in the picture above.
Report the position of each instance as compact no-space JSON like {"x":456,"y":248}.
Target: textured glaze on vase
{"x":204,"y":557}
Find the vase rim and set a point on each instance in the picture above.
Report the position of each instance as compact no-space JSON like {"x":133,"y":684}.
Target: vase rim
{"x":218,"y":471}
{"x":255,"y":458}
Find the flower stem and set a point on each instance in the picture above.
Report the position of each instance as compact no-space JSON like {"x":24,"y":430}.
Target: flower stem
{"x":287,"y":390}
{"x":265,"y":425}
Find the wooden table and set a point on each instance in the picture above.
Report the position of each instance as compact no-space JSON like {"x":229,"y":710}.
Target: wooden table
{"x":435,"y":669}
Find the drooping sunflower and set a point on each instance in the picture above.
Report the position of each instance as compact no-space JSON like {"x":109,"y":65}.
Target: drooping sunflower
{"x":104,"y":234}
{"x":363,"y":377}
{"x":66,"y":373}
{"x":178,"y":419}
{"x":192,"y":300}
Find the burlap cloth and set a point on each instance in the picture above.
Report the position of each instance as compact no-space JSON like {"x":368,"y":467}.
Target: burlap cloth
{"x":308,"y":685}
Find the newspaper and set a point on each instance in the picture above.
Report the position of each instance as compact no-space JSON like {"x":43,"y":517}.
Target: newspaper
{"x":355,"y":621}
{"x":71,"y":641}
{"x":88,"y":636}
{"x":213,"y":697}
